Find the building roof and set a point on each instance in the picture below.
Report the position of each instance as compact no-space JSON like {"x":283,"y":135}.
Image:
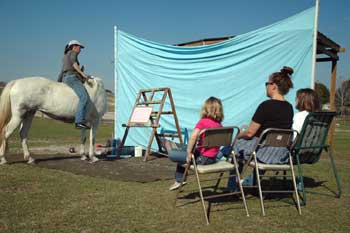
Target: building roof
{"x":326,"y":48}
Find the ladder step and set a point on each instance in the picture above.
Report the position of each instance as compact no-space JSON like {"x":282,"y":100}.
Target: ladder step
{"x":149,"y":102}
{"x":154,"y":89}
{"x":168,"y":112}
{"x":140,"y":125}
{"x":168,"y":135}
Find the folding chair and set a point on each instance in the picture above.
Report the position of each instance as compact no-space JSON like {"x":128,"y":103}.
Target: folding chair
{"x":310,"y":143}
{"x":215,"y":137}
{"x":273,"y":138}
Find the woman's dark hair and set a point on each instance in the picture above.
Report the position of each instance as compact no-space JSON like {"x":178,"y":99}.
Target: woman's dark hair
{"x":307,"y":99}
{"x":283,"y":79}
{"x":67,"y":48}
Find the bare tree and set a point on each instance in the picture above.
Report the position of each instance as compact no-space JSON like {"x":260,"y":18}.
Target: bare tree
{"x":342,"y":97}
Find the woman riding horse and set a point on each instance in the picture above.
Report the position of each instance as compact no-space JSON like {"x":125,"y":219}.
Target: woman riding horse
{"x":73,"y":76}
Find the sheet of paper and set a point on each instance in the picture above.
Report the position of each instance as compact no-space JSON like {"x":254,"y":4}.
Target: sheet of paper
{"x":141,"y":115}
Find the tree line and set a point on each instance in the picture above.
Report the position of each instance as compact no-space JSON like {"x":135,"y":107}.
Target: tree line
{"x":342,"y":96}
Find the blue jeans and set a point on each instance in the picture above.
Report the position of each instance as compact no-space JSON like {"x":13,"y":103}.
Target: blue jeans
{"x":79,"y":89}
{"x":179,"y":156}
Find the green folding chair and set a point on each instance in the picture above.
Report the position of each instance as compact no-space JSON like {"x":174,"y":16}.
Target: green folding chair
{"x":309,"y":145}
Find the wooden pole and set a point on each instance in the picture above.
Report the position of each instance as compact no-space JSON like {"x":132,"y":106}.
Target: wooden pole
{"x":175,"y":118}
{"x":332,"y":100}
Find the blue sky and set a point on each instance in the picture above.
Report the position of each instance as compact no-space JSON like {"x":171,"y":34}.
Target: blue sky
{"x":34,"y":32}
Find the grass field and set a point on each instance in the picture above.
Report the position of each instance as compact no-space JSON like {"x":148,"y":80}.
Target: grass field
{"x":35,"y":199}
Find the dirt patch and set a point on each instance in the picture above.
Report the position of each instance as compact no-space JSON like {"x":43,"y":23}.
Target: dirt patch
{"x":128,"y":169}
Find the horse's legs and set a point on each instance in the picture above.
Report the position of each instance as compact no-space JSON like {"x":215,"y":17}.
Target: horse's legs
{"x":23,"y":133}
{"x":3,"y":149}
{"x":10,"y":127}
{"x":82,"y":144}
{"x":93,"y":130}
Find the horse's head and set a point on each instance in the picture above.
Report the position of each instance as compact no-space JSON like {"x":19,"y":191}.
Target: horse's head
{"x":94,"y":85}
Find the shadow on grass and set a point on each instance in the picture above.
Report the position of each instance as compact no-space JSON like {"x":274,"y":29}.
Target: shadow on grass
{"x":234,"y":201}
{"x":39,"y":160}
{"x":275,"y":185}
{"x":312,"y":183}
{"x":192,"y":196}
{"x":18,"y":158}
{"x":57,"y":158}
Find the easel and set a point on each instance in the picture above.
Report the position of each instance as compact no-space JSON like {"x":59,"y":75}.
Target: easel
{"x":141,"y":110}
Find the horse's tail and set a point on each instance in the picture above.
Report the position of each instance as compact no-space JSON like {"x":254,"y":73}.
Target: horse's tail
{"x":5,"y":110}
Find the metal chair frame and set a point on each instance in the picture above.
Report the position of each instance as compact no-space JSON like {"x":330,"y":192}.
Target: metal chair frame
{"x":215,"y":137}
{"x":273,"y":137}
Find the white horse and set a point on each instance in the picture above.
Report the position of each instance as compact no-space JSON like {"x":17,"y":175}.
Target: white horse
{"x":21,"y":98}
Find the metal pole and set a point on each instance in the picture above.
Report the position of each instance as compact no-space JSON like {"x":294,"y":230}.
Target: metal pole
{"x":115,"y":82}
{"x":314,"y":49}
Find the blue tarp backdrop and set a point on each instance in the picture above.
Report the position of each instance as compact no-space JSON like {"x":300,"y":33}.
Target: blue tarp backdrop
{"x":234,"y":71}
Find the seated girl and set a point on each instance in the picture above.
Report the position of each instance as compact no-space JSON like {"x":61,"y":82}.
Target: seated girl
{"x":211,"y":117}
{"x":306,"y":101}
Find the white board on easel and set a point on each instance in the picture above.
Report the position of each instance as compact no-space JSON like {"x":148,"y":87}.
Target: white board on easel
{"x":141,"y":115}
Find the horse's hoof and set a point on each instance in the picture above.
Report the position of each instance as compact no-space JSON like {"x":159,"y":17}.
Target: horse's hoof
{"x":3,"y":161}
{"x":83,"y":157}
{"x":94,"y":160}
{"x":31,"y":160}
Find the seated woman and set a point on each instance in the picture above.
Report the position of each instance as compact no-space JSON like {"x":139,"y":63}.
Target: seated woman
{"x":211,"y":117}
{"x":273,"y":113}
{"x":306,"y":101}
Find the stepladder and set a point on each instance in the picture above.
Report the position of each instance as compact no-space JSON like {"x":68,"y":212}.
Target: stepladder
{"x":147,"y":112}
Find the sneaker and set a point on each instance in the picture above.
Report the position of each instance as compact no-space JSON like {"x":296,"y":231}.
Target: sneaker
{"x":81,"y":126}
{"x":176,"y":185}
